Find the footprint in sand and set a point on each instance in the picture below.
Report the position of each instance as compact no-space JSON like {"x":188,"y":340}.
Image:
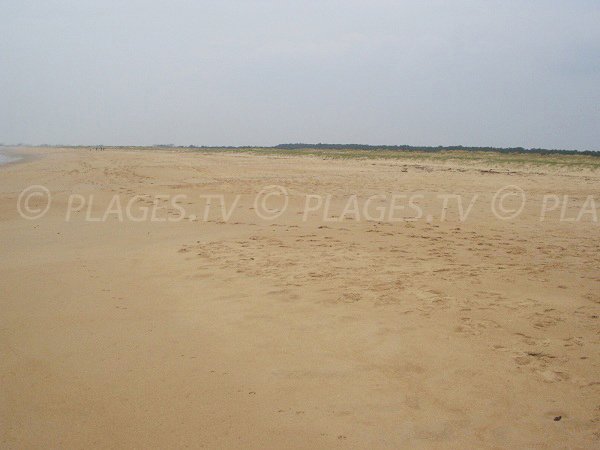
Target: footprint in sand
{"x":349,"y":297}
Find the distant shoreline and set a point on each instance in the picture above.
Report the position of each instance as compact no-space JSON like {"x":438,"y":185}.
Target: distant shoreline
{"x":10,"y":155}
{"x":350,"y":147}
{"x":7,"y":159}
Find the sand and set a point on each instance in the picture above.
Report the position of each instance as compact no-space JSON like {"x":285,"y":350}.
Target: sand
{"x":291,"y":333}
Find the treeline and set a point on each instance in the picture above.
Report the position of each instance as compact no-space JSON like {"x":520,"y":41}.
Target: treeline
{"x":538,"y":151}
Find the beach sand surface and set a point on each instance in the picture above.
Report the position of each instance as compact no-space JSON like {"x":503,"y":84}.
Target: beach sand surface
{"x":207,"y":332}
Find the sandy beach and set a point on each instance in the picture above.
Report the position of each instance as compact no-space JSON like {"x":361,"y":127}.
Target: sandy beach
{"x":298,"y":320}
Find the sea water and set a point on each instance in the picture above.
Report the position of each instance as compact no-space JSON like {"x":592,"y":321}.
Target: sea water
{"x":4,"y":158}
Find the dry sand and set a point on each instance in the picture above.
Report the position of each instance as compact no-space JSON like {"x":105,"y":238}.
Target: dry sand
{"x":248,"y":333}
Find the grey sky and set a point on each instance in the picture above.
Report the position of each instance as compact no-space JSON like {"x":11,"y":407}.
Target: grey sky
{"x":472,"y":72}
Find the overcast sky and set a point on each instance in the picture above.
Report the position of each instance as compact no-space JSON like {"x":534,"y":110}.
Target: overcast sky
{"x":472,"y":72}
